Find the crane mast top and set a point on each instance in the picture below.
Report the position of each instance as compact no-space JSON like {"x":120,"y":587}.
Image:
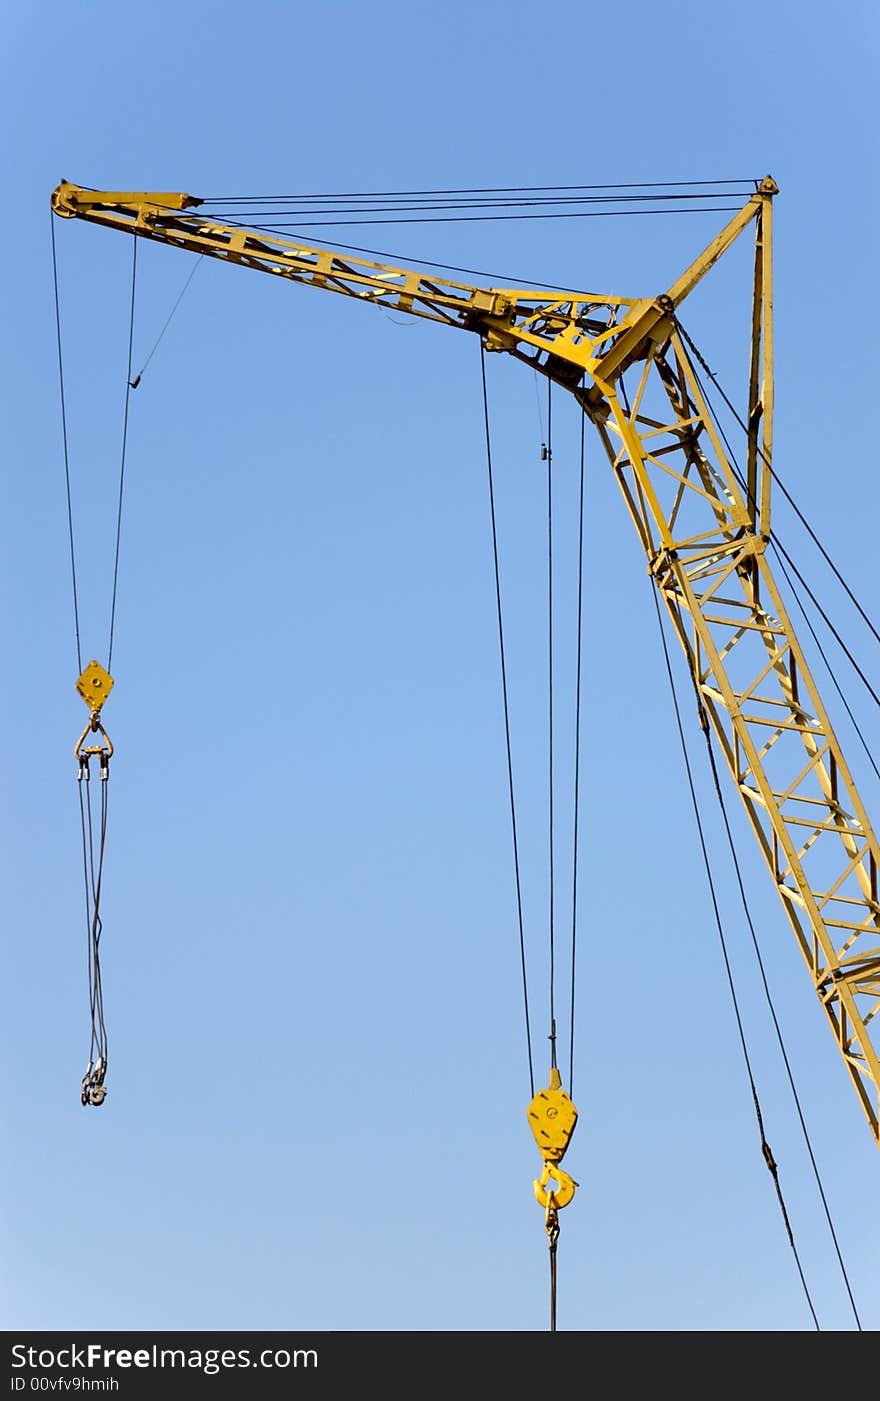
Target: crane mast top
{"x":704,"y":525}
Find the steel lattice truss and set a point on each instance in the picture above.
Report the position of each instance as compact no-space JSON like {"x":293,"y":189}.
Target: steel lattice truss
{"x":712,"y":571}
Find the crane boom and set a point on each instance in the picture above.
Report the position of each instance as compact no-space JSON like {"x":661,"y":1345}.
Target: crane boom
{"x":704,"y":528}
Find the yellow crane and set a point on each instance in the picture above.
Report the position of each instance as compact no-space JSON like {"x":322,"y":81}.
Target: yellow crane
{"x":704,"y":527}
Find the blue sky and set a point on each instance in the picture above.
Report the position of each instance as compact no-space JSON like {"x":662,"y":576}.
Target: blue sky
{"x":318,"y":1082}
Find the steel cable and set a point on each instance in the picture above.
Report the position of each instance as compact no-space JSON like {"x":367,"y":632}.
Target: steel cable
{"x":66,"y":451}
{"x":495,"y":218}
{"x":549,"y":452}
{"x":754,"y":937}
{"x":786,"y":493}
{"x":659,"y":185}
{"x":519,"y":907}
{"x":765,"y":1147}
{"x":577,"y":751}
{"x":128,"y":389}
{"x":782,"y":553}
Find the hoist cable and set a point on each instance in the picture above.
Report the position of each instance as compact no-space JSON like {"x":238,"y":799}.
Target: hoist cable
{"x":128,"y":388}
{"x":550,"y":706}
{"x":553,"y":1286}
{"x":782,"y":487}
{"x":741,"y":884}
{"x":519,"y":906}
{"x":98,"y":926}
{"x":502,"y":278}
{"x":64,"y":435}
{"x":400,"y":258}
{"x":88,"y":860}
{"x":180,"y":296}
{"x":577,"y":751}
{"x":93,"y":874}
{"x":479,"y":190}
{"x":780,"y":550}
{"x":538,"y":405}
{"x":95,"y":925}
{"x":765,"y":1147}
{"x":296,"y":208}
{"x":829,"y":668}
{"x":774,"y":542}
{"x":498,"y":218}
{"x":745,"y":903}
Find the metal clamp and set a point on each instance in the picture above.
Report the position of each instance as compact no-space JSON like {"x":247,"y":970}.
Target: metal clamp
{"x":83,"y":752}
{"x":551,"y":1226}
{"x":93,"y":1089}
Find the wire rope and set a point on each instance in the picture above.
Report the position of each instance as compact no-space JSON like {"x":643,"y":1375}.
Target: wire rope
{"x":494,"y":218}
{"x":516,"y":865}
{"x":128,"y":389}
{"x":402,"y":258}
{"x":775,"y":543}
{"x":783,"y":488}
{"x":549,"y":454}
{"x":180,"y":296}
{"x":420,"y":206}
{"x":66,"y":448}
{"x":737,"y":868}
{"x":577,"y":751}
{"x":765,"y":1147}
{"x":482,"y":190}
{"x":769,"y":999}
{"x":828,"y":667}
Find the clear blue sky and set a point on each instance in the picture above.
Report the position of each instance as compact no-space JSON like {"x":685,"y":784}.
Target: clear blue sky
{"x":318,"y":1080}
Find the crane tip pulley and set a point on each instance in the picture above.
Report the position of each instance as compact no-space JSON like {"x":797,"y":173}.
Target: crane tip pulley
{"x":69,"y":200}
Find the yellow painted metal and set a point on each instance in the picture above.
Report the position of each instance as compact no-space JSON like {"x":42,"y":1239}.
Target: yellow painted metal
{"x":704,"y":535}
{"x":552,"y":1118}
{"x":94,"y":685}
{"x":70,"y":200}
{"x":555,"y":1197}
{"x":83,"y":752}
